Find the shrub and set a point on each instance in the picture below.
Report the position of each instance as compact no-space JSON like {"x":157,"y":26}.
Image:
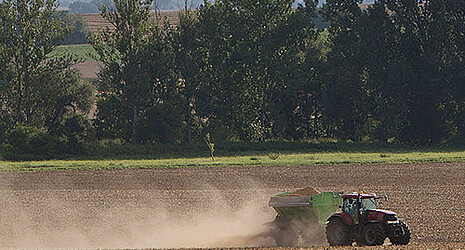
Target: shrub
{"x":31,"y":143}
{"x":77,"y":130}
{"x":24,"y":143}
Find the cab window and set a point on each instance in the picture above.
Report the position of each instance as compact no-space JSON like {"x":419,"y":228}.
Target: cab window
{"x":368,"y":204}
{"x":350,"y":205}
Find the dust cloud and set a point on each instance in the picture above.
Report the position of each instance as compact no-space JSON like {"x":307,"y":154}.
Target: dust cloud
{"x":133,"y":218}
{"x":216,"y":228}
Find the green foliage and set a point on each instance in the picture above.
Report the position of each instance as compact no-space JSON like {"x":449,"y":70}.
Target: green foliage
{"x":161,"y":125}
{"x":393,"y":70}
{"x":77,"y":130}
{"x":344,"y":98}
{"x":71,"y":137}
{"x":433,"y":55}
{"x":5,"y":124}
{"x":29,"y":143}
{"x":26,"y":143}
{"x":139,"y":90}
{"x":244,"y":65}
{"x":37,"y":91}
{"x":245,"y":71}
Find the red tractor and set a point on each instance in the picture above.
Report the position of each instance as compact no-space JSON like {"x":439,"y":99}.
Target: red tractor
{"x":362,"y":222}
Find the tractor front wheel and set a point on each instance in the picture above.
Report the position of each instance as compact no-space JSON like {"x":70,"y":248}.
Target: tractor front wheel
{"x":338,"y":233}
{"x":401,"y":235}
{"x":372,"y":235}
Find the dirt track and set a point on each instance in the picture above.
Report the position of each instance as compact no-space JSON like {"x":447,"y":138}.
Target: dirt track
{"x":211,"y":207}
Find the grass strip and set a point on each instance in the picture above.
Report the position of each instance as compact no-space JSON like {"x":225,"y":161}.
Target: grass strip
{"x":264,"y":159}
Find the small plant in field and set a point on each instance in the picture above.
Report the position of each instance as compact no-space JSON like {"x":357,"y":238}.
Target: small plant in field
{"x":273,"y":156}
{"x":210,"y":146}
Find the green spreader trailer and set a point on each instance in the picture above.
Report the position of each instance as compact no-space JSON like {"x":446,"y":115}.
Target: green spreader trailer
{"x":302,"y":216}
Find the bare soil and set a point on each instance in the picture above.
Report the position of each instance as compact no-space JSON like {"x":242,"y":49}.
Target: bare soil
{"x":308,"y":191}
{"x":95,"y":22}
{"x":213,"y":207}
{"x":88,"y":69}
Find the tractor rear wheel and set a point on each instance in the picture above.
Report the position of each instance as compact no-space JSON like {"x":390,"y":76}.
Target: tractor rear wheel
{"x":372,"y":235}
{"x":402,"y":237}
{"x":338,"y":233}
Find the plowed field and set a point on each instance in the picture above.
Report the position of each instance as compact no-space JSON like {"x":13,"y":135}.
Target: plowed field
{"x":212,"y":207}
{"x":95,"y":22}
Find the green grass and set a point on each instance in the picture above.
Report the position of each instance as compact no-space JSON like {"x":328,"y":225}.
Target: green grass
{"x":260,"y":159}
{"x":83,"y":52}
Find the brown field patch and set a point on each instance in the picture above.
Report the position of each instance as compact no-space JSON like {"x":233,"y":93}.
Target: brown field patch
{"x":88,"y":69}
{"x":95,"y":21}
{"x":212,"y":207}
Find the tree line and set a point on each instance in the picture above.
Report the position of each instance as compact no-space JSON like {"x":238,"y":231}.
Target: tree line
{"x":249,"y":70}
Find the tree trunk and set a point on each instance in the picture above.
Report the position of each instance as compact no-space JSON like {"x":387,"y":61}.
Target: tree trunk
{"x":19,"y":107}
{"x":189,"y":125}
{"x":27,"y":98}
{"x":135,"y":120}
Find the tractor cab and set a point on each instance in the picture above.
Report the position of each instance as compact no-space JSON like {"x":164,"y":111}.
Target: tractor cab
{"x":356,"y":204}
{"x":361,"y":221}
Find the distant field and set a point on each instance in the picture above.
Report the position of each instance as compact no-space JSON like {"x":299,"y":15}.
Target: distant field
{"x":95,"y":21}
{"x":263,"y":159}
{"x":82,"y":51}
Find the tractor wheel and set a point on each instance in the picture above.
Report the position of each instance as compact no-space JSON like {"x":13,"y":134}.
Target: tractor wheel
{"x":372,"y":235}
{"x":338,"y":233}
{"x":403,"y":237}
{"x":284,"y":232}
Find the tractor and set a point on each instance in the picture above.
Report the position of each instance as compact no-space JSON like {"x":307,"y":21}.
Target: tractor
{"x":361,"y":221}
{"x":304,"y":215}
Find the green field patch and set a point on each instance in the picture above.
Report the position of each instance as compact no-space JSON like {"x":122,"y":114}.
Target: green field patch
{"x":285,"y":159}
{"x":84,"y":52}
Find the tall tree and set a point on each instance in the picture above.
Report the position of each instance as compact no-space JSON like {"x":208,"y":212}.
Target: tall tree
{"x":247,"y":56}
{"x":345,"y":98}
{"x":188,"y":58}
{"x":138,"y":73}
{"x":393,"y":70}
{"x":37,"y":90}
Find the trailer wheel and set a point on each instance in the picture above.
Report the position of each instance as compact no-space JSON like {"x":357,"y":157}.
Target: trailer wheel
{"x":338,"y":233}
{"x":402,"y":237}
{"x":373,"y":235}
